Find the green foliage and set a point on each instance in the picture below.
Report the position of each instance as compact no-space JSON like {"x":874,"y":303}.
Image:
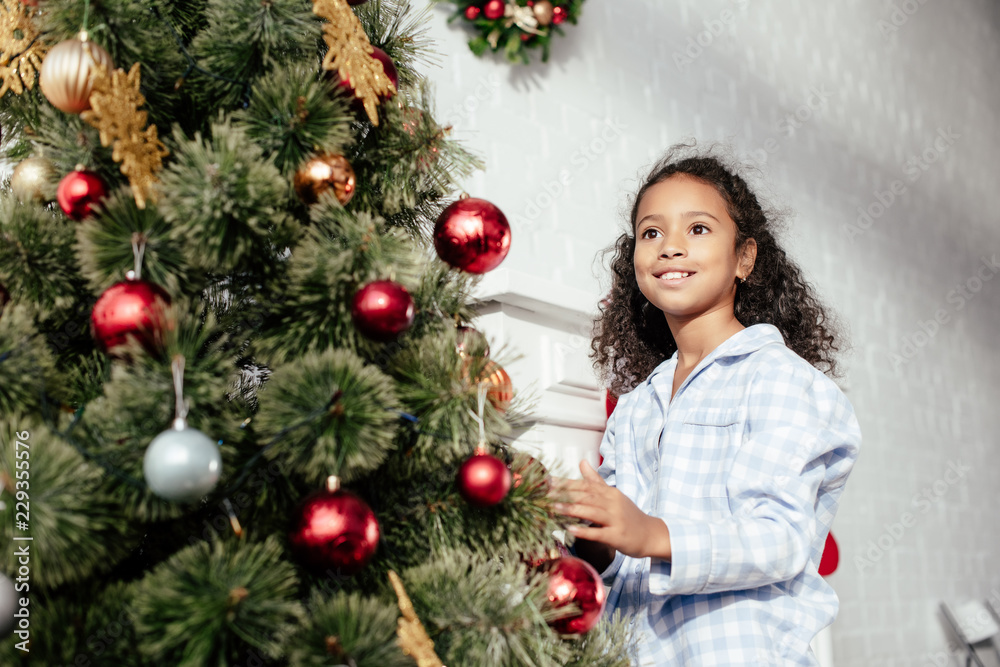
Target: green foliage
{"x":244,"y":38}
{"x":43,"y":480}
{"x":225,"y":201}
{"x":211,"y":601}
{"x":26,"y":364}
{"x":348,"y":629}
{"x":37,"y":262}
{"x":274,"y":368}
{"x":294,"y":113}
{"x":338,"y":411}
{"x":108,"y":239}
{"x":339,"y":254}
{"x":481,"y":613}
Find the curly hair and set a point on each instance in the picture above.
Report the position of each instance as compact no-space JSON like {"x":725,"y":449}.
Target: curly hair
{"x":631,"y":336}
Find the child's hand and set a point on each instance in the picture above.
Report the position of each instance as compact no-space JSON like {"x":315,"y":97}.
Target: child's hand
{"x":618,"y":522}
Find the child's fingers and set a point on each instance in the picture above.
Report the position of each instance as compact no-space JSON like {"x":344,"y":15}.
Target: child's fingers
{"x":593,"y":513}
{"x":589,"y":473}
{"x":593,"y":533}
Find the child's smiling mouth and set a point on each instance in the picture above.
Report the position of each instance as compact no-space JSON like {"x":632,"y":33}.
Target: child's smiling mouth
{"x":674,"y":277}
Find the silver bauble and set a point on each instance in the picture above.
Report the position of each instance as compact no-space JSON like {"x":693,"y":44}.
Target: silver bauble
{"x":67,"y":76}
{"x":8,"y":604}
{"x":182,"y":464}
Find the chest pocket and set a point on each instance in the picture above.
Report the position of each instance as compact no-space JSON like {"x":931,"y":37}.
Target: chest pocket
{"x":701,"y":450}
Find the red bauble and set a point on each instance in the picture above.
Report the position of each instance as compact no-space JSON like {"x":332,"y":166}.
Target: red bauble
{"x":336,"y":531}
{"x":483,"y":480}
{"x":387,"y":65}
{"x":130,"y":309}
{"x":78,"y":191}
{"x":558,"y":15}
{"x":493,"y":9}
{"x":472,"y":12}
{"x":382,"y":310}
{"x":472,"y":235}
{"x":575,"y":581}
{"x":470,"y":341}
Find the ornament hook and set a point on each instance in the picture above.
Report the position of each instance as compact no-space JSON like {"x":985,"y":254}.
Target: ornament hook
{"x":180,"y":405}
{"x":481,"y":447}
{"x":138,"y":250}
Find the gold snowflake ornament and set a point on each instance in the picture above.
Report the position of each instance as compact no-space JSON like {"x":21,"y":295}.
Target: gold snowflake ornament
{"x":350,"y":54}
{"x":413,"y":637}
{"x":21,"y":50}
{"x":115,"y":103}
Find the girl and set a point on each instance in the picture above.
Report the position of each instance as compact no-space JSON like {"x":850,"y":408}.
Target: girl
{"x":727,"y":454}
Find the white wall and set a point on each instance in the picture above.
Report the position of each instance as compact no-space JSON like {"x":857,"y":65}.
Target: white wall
{"x":870,"y":96}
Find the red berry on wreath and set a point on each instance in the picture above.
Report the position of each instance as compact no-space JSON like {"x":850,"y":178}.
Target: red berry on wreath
{"x":334,"y":530}
{"x":573,"y":581}
{"x":130,"y":309}
{"x":382,"y":310}
{"x":78,"y":191}
{"x":494,"y":9}
{"x":558,"y":14}
{"x":483,"y":480}
{"x":472,"y":235}
{"x":472,"y":12}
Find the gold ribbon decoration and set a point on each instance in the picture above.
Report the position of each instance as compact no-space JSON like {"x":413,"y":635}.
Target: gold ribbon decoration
{"x":522,"y":17}
{"x":412,"y":637}
{"x":21,"y":50}
{"x":115,"y":103}
{"x":350,"y":54}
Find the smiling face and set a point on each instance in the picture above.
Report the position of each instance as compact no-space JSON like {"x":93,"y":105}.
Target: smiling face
{"x":685,"y":257}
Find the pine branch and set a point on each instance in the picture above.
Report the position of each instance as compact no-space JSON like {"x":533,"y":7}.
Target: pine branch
{"x":341,"y":252}
{"x":106,"y":246}
{"x":26,"y":364}
{"x":293,"y":114}
{"x":80,"y":539}
{"x":224,"y":202}
{"x":481,"y":612}
{"x":348,"y":406}
{"x":37,"y":262}
{"x":243,"y":40}
{"x":210,"y":602}
{"x":348,"y":629}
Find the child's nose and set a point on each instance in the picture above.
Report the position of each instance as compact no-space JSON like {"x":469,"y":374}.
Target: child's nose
{"x":672,"y":247}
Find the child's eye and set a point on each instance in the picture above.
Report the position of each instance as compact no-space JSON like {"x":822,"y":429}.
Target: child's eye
{"x":646,"y":233}
{"x":700,"y":229}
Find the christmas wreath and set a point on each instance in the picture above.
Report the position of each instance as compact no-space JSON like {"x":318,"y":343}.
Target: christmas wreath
{"x":514,"y":26}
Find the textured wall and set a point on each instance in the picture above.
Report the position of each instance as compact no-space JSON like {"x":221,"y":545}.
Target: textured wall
{"x":892,"y":108}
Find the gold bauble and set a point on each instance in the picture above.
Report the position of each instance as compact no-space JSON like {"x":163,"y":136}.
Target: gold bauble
{"x":67,"y":76}
{"x":33,"y":180}
{"x":500,"y":390}
{"x":544,"y":11}
{"x":324,"y":173}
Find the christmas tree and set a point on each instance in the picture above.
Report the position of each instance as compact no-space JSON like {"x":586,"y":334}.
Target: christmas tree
{"x":245,"y":418}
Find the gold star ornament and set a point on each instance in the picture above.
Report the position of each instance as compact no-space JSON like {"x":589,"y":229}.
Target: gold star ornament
{"x":21,"y":50}
{"x":115,"y":103}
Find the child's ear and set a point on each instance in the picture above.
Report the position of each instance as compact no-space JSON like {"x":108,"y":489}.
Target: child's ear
{"x":748,"y":255}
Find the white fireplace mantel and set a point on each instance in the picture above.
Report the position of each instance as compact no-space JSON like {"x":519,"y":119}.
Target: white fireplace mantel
{"x":545,"y":328}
